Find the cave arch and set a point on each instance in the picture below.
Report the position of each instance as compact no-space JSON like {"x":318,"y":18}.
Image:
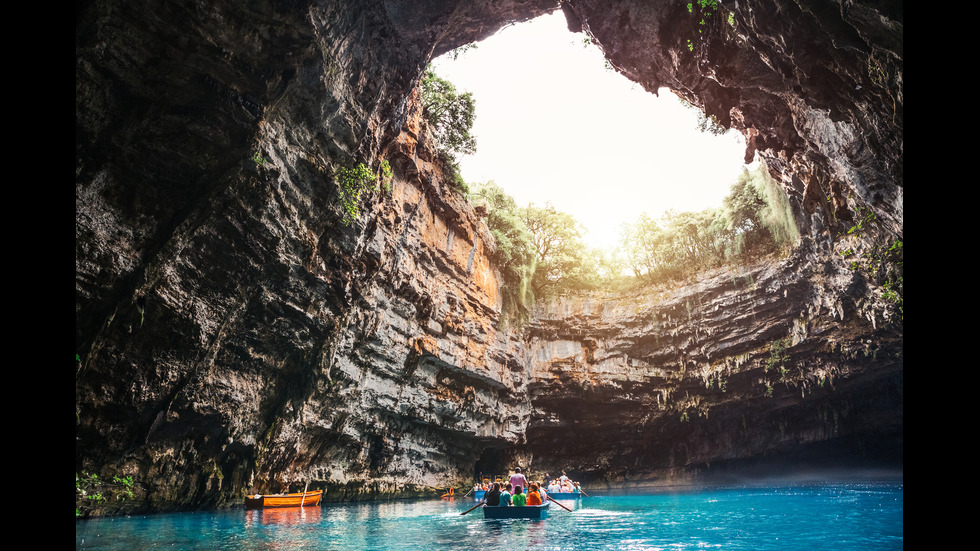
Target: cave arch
{"x":555,"y":124}
{"x":755,"y":69}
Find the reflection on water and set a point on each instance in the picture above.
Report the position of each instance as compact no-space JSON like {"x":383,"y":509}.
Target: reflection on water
{"x":827,"y":516}
{"x":290,"y":516}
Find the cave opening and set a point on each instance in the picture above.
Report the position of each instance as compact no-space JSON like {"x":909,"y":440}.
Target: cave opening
{"x":556,"y":123}
{"x":491,"y":462}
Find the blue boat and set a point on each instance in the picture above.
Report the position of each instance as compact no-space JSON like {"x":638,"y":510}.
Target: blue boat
{"x":565,"y":495}
{"x":527,"y":511}
{"x":480,"y":494}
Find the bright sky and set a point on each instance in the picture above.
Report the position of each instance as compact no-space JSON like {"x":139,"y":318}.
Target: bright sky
{"x":553,"y":124}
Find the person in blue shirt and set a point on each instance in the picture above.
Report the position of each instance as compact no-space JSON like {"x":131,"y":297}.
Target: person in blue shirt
{"x":505,"y":496}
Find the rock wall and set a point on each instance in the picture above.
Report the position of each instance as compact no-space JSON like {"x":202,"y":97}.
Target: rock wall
{"x":234,"y":335}
{"x":766,"y":370}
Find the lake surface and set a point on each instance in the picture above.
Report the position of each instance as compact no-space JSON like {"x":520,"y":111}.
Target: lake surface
{"x":839,"y":516}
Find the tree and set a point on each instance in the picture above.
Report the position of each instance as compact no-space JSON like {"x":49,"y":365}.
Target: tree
{"x":450,"y":114}
{"x":755,"y":219}
{"x":562,"y":258}
{"x":760,"y":214}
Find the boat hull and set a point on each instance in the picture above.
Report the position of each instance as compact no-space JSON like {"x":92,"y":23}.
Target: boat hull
{"x":300,"y":499}
{"x":565,"y":495}
{"x":527,"y":511}
{"x":480,"y":494}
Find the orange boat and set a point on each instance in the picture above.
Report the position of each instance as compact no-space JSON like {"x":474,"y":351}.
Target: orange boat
{"x":299,"y":499}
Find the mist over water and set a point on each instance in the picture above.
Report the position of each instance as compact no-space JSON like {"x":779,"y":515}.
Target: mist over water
{"x":843,"y":515}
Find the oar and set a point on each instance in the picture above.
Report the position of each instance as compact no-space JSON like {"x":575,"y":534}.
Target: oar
{"x":583,"y":492}
{"x":558,"y":504}
{"x":473,"y":507}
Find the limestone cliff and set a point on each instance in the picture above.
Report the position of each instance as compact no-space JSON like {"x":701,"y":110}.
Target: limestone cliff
{"x":235,"y":335}
{"x":761,"y":371}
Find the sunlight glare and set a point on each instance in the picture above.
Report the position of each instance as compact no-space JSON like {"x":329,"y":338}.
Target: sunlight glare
{"x":554,"y":124}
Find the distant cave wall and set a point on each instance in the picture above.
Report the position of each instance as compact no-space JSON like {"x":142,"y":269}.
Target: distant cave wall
{"x":234,"y":335}
{"x":756,"y":370}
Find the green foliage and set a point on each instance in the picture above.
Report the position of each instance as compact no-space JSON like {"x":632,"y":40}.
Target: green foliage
{"x":706,"y":123}
{"x":90,"y":490}
{"x":755,"y":220}
{"x":461,"y":51}
{"x":866,"y":218}
{"x":353,"y":182}
{"x":259,"y":159}
{"x":777,"y":355}
{"x":886,"y":266}
{"x":539,"y":250}
{"x":562,"y":259}
{"x":515,"y":255}
{"x":450,"y":115}
{"x":883,"y":262}
{"x":702,"y":9}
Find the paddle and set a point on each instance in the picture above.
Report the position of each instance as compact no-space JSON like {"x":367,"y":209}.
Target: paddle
{"x":558,"y":504}
{"x":473,"y":507}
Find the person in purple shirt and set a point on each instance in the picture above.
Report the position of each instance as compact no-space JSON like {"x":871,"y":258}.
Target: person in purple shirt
{"x":517,"y":479}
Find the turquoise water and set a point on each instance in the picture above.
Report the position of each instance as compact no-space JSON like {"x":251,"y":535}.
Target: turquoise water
{"x":838,"y":516}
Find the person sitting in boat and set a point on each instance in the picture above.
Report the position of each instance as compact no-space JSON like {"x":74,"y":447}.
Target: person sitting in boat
{"x":533,"y":495}
{"x":576,"y":488}
{"x":518,"y":499}
{"x":493,"y":496}
{"x":505,"y":495}
{"x":554,"y":487}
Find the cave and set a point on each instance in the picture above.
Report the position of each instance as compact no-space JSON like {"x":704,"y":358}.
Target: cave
{"x":236,"y":332}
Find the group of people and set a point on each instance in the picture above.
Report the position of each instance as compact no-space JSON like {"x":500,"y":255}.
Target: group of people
{"x":563,"y":484}
{"x":518,"y":491}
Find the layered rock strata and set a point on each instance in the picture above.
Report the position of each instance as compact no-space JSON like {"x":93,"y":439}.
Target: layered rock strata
{"x":234,"y":335}
{"x":766,"y":370}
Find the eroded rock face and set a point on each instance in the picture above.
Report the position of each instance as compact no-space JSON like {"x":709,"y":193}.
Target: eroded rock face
{"x":234,"y":335}
{"x":756,"y":369}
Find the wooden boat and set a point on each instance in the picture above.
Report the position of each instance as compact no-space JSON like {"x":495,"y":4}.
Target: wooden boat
{"x":527,"y":511}
{"x":565,"y":495}
{"x":299,"y":499}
